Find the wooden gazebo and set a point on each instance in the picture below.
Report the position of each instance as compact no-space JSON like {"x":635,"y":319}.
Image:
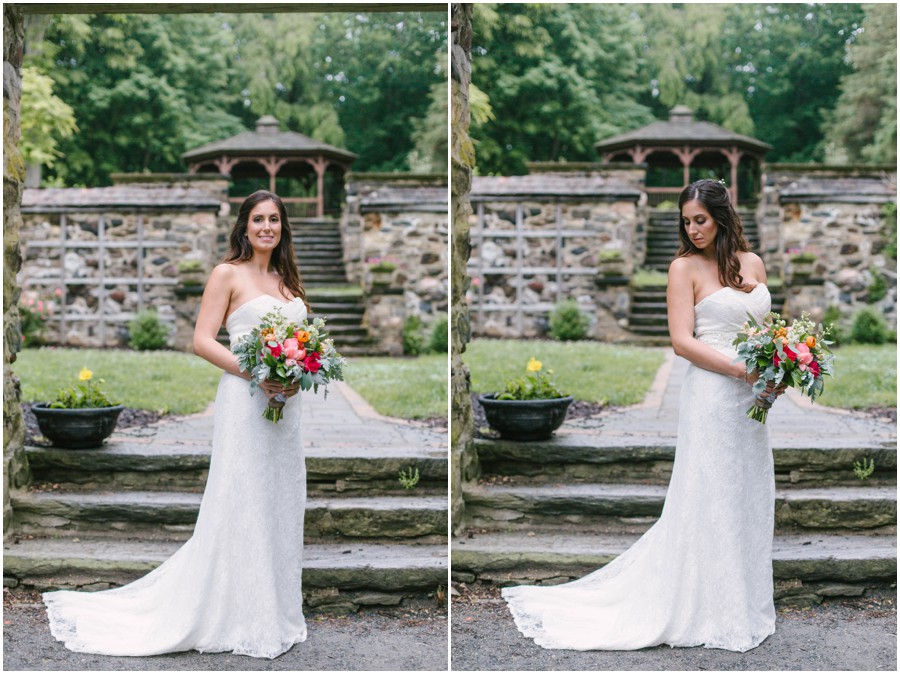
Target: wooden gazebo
{"x":681,"y":150}
{"x":306,"y":173}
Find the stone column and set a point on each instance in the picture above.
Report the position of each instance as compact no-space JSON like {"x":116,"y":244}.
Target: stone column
{"x":15,"y":465}
{"x":463,"y":462}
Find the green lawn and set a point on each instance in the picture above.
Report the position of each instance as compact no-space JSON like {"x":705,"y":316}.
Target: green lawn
{"x":182,"y":383}
{"x":590,"y":371}
{"x":865,"y":376}
{"x":412,"y":388}
{"x":168,"y":381}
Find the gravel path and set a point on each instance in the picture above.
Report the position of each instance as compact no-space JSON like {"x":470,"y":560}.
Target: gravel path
{"x":412,"y":639}
{"x":849,"y":634}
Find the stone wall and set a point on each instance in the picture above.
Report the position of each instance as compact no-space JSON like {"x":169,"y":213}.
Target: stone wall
{"x":15,"y":464}
{"x":177,"y":220}
{"x":555,"y":235}
{"x":463,"y":461}
{"x":400,"y":220}
{"x":837,"y":215}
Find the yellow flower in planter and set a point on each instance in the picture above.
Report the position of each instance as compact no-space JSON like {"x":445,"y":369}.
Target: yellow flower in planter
{"x":534,"y":365}
{"x":85,"y":374}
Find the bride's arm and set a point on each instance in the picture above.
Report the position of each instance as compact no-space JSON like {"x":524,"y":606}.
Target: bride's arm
{"x":213,"y":306}
{"x":680,"y":307}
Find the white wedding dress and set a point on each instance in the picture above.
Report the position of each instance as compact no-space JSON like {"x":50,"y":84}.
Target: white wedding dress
{"x":702,"y":574}
{"x":236,"y":584}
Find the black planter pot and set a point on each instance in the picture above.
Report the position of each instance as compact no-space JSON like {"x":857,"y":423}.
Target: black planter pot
{"x":77,"y":429}
{"x":525,"y":419}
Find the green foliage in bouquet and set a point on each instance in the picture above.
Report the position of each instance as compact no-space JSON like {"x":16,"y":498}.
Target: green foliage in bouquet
{"x":85,"y":395}
{"x":147,"y":332}
{"x":534,"y":385}
{"x":568,"y":322}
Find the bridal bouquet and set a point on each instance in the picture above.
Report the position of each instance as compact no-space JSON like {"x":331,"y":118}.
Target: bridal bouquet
{"x":284,"y":352}
{"x":796,"y":355}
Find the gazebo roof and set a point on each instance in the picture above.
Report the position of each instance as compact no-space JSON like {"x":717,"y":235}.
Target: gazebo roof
{"x":680,"y":129}
{"x":269,"y":139}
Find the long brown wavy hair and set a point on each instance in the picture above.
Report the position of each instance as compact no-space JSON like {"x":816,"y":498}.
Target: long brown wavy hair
{"x":283,"y":260}
{"x":729,"y":231}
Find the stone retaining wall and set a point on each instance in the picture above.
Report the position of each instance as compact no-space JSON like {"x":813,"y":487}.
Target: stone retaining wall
{"x":399,"y":219}
{"x":175,"y":221}
{"x":554,"y":235}
{"x":836,"y":214}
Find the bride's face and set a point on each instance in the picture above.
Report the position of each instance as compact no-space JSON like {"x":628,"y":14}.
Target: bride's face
{"x":264,"y":226}
{"x":699,"y":225}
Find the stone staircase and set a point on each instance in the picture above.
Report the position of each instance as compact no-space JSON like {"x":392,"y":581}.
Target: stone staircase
{"x":647,"y":313}
{"x":552,"y":511}
{"x":103,"y":517}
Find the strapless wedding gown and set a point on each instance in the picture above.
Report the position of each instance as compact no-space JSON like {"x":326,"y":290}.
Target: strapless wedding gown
{"x":236,"y":584}
{"x":702,"y":574}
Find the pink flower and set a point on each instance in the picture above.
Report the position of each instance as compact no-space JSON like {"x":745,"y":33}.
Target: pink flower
{"x":290,"y":362}
{"x":803,"y":356}
{"x":814,"y":368}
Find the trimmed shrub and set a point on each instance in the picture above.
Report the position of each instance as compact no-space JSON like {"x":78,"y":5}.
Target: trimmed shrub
{"x":413,"y":336}
{"x":869,"y":327}
{"x":838,"y":333}
{"x":568,"y":322}
{"x":438,"y":342}
{"x":877,"y":289}
{"x":147,"y":332}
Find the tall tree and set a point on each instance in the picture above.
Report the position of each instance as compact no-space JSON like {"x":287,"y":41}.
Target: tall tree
{"x":863,"y":125}
{"x":559,"y":78}
{"x":378,"y":71}
{"x":685,"y":48}
{"x":787,"y":60}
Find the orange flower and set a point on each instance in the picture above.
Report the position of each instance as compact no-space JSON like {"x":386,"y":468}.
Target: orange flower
{"x":810,"y":341}
{"x":302,"y":336}
{"x":781,"y":332}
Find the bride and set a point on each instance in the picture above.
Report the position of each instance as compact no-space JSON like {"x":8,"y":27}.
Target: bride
{"x":702,"y":575}
{"x":236,"y":584}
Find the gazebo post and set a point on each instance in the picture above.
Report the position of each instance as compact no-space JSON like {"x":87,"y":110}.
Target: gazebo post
{"x":734,"y":157}
{"x":320,"y":164}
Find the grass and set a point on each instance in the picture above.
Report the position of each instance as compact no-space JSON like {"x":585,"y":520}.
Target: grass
{"x":182,"y":383}
{"x":167,"y":381}
{"x":591,"y":371}
{"x":865,"y":376}
{"x":411,"y":388}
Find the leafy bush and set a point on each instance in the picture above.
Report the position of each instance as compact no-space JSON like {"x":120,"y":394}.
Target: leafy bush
{"x":413,"y":336}
{"x":33,"y":324}
{"x":438,"y":343}
{"x":833,"y":318}
{"x":877,"y":289}
{"x":148,"y":332}
{"x":869,"y":327}
{"x":568,"y":322}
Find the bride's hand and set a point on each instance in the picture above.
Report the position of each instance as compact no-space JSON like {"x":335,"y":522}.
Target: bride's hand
{"x":272,"y":389}
{"x":770,"y":394}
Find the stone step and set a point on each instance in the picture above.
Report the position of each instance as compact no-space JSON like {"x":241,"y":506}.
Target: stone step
{"x":172,"y":515}
{"x":151,"y":465}
{"x":341,"y":332}
{"x":621,"y":508}
{"x":576,"y":459}
{"x":338,"y":318}
{"x":814,"y":564}
{"x":337,"y":308}
{"x":652,"y":319}
{"x":333,"y":573}
{"x":649,"y":307}
{"x":651,"y":330}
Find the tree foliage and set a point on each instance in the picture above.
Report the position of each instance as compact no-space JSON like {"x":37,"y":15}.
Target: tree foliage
{"x":146,"y":88}
{"x":45,"y":119}
{"x":863,"y":125}
{"x":559,"y":78}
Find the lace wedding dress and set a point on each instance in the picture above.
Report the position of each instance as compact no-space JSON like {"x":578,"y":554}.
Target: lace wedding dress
{"x":235,"y":585}
{"x":702,"y":575}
